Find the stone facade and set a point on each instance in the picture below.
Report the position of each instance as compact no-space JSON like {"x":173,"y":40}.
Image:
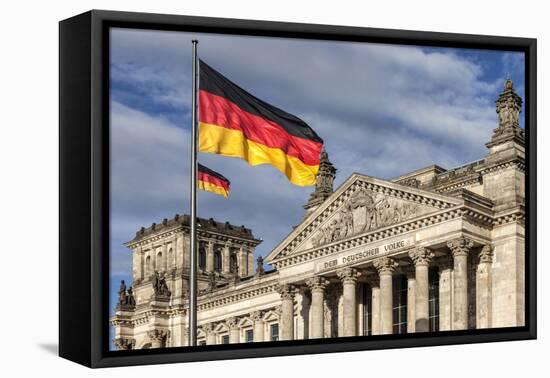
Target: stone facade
{"x":432,"y":250}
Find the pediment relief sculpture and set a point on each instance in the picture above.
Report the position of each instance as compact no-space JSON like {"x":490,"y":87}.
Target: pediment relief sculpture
{"x":365,"y":211}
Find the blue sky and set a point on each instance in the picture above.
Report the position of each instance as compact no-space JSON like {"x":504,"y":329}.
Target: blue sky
{"x":383,"y":110}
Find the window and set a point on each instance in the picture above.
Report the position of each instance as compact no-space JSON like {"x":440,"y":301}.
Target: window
{"x":225,"y":339}
{"x":274,"y":332}
{"x":434,"y":299}
{"x":218,"y":261}
{"x":202,"y":342}
{"x":249,"y":336}
{"x":400,"y":304}
{"x":159,"y":262}
{"x":202,"y":257}
{"x":233,"y":263}
{"x":367,"y":310}
{"x":148,"y":267}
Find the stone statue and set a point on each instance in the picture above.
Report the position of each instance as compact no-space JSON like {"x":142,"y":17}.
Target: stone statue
{"x":160,"y":287}
{"x":260,"y":265}
{"x":122,"y":293}
{"x":130,"y":300}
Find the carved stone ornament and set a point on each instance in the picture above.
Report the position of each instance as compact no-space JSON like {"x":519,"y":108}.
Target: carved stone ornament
{"x":286,"y":291}
{"x":385,"y":265}
{"x":317,"y":283}
{"x":460,"y":246}
{"x":421,"y":256}
{"x":158,"y":334}
{"x":208,"y":328}
{"x":365,"y":211}
{"x":486,"y":254}
{"x":124,"y":344}
{"x":348,"y":275}
{"x":256,"y":316}
{"x":232,"y":322}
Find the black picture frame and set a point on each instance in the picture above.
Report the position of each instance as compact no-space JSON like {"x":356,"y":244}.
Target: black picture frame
{"x":84,"y":187}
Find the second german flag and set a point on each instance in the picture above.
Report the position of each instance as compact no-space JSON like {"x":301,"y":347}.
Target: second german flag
{"x":232,"y":122}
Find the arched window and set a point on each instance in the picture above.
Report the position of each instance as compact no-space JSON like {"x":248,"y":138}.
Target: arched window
{"x":170,"y":257}
{"x":148,"y":267}
{"x":159,"y":266}
{"x":218,"y":261}
{"x":202,"y":257}
{"x":233,"y":263}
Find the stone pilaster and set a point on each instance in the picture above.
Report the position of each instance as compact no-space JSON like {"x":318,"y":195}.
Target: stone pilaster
{"x":257,"y":318}
{"x":385,"y":267}
{"x":317,"y":285}
{"x":210,"y":256}
{"x":445,"y":264}
{"x":287,"y":293}
{"x":483,"y":287}
{"x":124,"y":343}
{"x":158,"y":337}
{"x":348,"y":276}
{"x":460,"y":248}
{"x":421,"y":258}
{"x":208,"y":329}
{"x":411,"y":300}
{"x":243,"y":262}
{"x":234,"y":332}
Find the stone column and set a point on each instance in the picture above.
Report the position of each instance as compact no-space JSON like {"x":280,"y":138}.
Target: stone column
{"x":225,"y":259}
{"x":234,"y":332}
{"x":411,"y":300}
{"x":210,"y":334}
{"x":374,"y":283}
{"x":386,"y":266}
{"x":421,"y":258}
{"x":250,"y":262}
{"x":317,"y":285}
{"x":445,"y":293}
{"x":348,"y":276}
{"x":210,"y":256}
{"x":287,"y":293}
{"x":257,"y":318}
{"x":483,"y":288}
{"x":460,"y":248}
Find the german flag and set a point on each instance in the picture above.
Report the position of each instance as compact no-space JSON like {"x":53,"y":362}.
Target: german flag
{"x":212,"y":181}
{"x":234,"y":123}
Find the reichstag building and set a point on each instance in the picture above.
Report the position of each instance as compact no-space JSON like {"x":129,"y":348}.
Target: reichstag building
{"x":432,"y":250}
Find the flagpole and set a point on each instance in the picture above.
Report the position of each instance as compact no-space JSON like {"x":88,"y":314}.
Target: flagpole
{"x":193,"y":249}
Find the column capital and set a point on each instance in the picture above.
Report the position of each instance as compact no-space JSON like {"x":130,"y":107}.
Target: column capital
{"x":385,"y":265}
{"x":486,"y":254}
{"x":208,"y":328}
{"x":158,"y":334}
{"x":460,"y":246}
{"x":256,"y":316}
{"x":232,"y":323}
{"x":348,"y":275}
{"x":317,"y":283}
{"x":421,"y":256}
{"x":286,"y":291}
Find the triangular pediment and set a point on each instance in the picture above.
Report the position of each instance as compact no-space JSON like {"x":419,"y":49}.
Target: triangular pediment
{"x":360,"y":205}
